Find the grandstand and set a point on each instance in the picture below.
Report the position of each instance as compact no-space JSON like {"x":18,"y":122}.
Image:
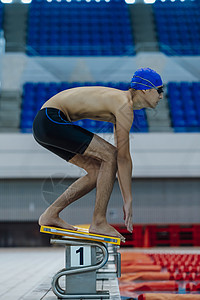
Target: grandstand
{"x":184,"y":105}
{"x":1,"y":15}
{"x":105,"y":29}
{"x":93,"y":29}
{"x":53,"y":45}
{"x":178,"y":27}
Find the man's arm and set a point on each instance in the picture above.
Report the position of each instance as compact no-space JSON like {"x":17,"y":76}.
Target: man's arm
{"x":124,"y":120}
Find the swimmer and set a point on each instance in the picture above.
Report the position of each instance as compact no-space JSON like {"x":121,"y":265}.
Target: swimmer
{"x":53,"y":128}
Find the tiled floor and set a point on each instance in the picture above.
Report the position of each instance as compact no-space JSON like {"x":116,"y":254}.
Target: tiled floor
{"x":26,"y":273}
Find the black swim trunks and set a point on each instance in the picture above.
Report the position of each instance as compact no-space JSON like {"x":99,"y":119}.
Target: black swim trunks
{"x":53,"y":131}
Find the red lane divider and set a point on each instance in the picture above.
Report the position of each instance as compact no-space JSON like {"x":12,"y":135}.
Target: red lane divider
{"x":130,"y":268}
{"x":184,"y":276}
{"x":150,"y":286}
{"x":151,"y":272}
{"x":179,"y":263}
{"x":154,"y":296}
{"x":144,"y":276}
{"x":137,"y":258}
{"x":159,"y":276}
{"x":192,"y":287}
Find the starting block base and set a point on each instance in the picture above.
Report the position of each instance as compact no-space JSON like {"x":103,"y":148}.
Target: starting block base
{"x":83,"y":257}
{"x":97,"y":295}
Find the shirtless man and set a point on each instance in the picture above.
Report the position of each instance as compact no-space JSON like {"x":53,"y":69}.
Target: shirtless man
{"x":54,"y":130}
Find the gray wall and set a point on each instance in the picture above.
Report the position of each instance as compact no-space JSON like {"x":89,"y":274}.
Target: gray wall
{"x":154,"y":155}
{"x":155,"y":201}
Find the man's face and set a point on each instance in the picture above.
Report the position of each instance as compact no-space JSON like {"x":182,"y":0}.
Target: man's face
{"x":154,"y":96}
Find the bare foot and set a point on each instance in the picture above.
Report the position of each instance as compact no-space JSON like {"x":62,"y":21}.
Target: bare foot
{"x":46,"y":220}
{"x":106,"y":229}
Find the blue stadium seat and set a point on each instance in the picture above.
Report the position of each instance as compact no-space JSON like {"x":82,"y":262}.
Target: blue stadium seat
{"x":178,"y":27}
{"x":79,"y":28}
{"x":1,"y":15}
{"x":185,"y":112}
{"x":140,"y":121}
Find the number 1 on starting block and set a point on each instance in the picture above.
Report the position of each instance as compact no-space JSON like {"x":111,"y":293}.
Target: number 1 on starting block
{"x":80,"y":256}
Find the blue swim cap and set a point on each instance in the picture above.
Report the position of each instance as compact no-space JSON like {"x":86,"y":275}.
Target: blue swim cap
{"x":145,"y":79}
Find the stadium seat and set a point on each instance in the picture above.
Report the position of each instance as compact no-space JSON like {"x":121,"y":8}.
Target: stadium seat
{"x":1,"y":15}
{"x":178,"y":27}
{"x":184,"y":106}
{"x":79,"y":29}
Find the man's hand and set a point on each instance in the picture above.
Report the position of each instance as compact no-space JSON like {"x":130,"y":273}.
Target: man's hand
{"x":127,"y":208}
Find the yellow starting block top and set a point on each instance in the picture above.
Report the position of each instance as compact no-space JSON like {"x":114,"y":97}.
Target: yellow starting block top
{"x":81,"y":233}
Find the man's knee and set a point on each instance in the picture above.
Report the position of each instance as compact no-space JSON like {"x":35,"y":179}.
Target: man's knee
{"x":93,"y":169}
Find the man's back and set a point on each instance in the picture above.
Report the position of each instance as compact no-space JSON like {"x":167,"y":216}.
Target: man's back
{"x":98,"y":103}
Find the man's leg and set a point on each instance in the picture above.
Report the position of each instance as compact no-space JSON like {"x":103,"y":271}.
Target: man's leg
{"x":78,"y":189}
{"x":107,"y":155}
{"x":99,"y":160}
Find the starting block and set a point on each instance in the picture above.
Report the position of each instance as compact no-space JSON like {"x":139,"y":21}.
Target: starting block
{"x":85,"y":253}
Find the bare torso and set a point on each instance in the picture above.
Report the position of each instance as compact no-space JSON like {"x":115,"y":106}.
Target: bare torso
{"x":97,"y":103}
